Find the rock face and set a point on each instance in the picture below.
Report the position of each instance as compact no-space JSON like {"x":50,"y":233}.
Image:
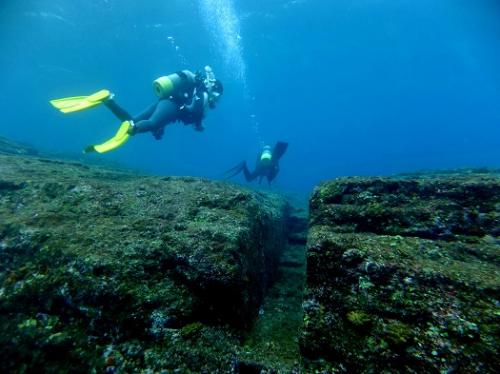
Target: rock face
{"x":104,"y":270}
{"x":403,"y":275}
{"x":8,"y":146}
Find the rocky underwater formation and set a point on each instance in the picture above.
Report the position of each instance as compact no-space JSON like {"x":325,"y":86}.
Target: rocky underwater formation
{"x":108,"y":271}
{"x":403,"y":275}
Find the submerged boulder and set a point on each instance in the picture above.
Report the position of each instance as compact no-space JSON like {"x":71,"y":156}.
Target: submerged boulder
{"x":403,"y":275}
{"x":107,"y":270}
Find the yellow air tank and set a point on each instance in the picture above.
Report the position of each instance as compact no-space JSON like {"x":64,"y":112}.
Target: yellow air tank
{"x":164,"y":86}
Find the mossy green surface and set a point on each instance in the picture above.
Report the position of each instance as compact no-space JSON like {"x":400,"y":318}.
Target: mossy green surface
{"x":403,"y":275}
{"x":109,"y":271}
{"x":273,"y":340}
{"x":434,"y":206}
{"x":106,"y":270}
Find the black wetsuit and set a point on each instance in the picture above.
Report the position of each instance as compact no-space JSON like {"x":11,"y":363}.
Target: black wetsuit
{"x":269,"y":169}
{"x":188,"y":108}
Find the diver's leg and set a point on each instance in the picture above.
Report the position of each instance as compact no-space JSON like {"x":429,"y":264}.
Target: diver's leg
{"x":164,"y":112}
{"x":248,"y":176}
{"x":117,"y":110}
{"x":146,"y":113}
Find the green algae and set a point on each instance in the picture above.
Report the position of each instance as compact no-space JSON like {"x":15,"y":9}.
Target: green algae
{"x":359,"y":318}
{"x":273,"y":340}
{"x":424,"y":206}
{"x":103,"y":270}
{"x":113,"y":271}
{"x":403,"y":275}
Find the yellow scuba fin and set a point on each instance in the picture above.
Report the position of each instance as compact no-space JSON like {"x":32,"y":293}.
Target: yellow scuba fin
{"x":116,"y":141}
{"x":77,"y":103}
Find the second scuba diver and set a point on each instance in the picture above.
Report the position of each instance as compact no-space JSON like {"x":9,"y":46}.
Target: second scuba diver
{"x":267,"y":164}
{"x":183,"y":96}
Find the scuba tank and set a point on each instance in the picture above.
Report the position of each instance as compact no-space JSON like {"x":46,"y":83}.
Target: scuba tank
{"x":266,"y":155}
{"x":164,"y":86}
{"x":173,"y":85}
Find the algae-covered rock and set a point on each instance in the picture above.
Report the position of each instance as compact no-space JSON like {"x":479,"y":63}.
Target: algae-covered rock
{"x":10,"y":147}
{"x":433,"y":206}
{"x":106,"y":270}
{"x":403,"y":275}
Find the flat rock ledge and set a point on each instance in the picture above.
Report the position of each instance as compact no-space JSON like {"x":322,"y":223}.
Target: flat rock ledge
{"x":403,"y":275}
{"x":106,"y":271}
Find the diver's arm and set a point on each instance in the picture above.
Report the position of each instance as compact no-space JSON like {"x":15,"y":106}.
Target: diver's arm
{"x":194,"y":111}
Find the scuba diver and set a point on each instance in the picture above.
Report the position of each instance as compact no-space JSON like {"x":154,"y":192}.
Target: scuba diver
{"x":267,"y":164}
{"x":183,"y":96}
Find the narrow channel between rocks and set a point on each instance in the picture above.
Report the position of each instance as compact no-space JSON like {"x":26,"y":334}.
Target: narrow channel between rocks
{"x":273,"y":342}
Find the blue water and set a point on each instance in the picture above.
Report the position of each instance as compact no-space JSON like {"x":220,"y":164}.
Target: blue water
{"x":357,"y":87}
